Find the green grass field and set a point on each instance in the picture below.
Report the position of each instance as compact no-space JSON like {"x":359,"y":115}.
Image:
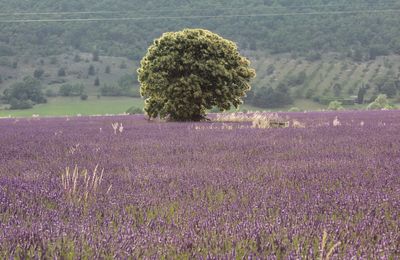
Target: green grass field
{"x":73,"y":106}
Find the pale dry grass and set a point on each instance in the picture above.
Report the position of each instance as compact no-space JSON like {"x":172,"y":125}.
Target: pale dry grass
{"x":82,"y":186}
{"x":323,"y":245}
{"x":117,"y":127}
{"x":258,"y":119}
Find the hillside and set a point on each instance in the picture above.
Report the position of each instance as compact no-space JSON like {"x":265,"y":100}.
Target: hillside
{"x":308,"y":82}
{"x":306,"y":53}
{"x":361,"y":29}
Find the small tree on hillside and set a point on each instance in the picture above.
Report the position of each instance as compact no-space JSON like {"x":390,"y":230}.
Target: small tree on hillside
{"x":91,"y":70}
{"x":61,"y":72}
{"x":95,"y":55}
{"x":38,"y":73}
{"x":97,"y":81}
{"x":107,"y":69}
{"x":185,"y":73}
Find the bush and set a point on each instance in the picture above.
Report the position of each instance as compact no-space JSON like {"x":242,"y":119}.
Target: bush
{"x":38,"y":73}
{"x":91,"y":70}
{"x":381,"y":102}
{"x":271,"y":98}
{"x":21,"y":104}
{"x":77,"y":58}
{"x":19,"y":93}
{"x":51,"y":93}
{"x":61,"y":72}
{"x":95,"y":55}
{"x":335,"y":105}
{"x":69,"y":90}
{"x":97,"y":81}
{"x":107,"y":69}
{"x":84,"y":97}
{"x":294,"y":109}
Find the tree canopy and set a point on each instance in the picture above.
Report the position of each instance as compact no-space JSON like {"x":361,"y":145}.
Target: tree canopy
{"x":187,"y":72}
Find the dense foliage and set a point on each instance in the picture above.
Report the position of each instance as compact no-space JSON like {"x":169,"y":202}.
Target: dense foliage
{"x":187,"y":72}
{"x":25,"y":94}
{"x":171,"y":190}
{"x":326,"y":26}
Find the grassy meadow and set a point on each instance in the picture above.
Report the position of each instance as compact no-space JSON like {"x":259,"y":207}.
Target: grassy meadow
{"x":72,"y":106}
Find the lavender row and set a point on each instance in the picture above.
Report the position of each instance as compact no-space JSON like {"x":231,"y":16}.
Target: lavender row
{"x":197,"y":190}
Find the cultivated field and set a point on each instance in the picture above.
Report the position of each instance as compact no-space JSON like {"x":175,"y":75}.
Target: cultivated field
{"x":88,"y":188}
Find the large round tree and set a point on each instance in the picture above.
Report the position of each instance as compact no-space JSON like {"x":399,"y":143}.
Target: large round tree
{"x":185,"y":73}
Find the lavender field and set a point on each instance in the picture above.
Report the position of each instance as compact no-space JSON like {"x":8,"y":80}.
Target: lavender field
{"x":83,"y":188}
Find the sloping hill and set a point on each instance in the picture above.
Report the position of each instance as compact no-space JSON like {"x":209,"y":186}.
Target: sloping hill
{"x":309,"y":82}
{"x":361,"y":28}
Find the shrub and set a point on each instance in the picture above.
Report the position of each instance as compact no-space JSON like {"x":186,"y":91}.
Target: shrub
{"x":107,"y":69}
{"x":381,"y":102}
{"x":294,"y":109}
{"x":61,"y":72}
{"x":335,"y":105}
{"x":97,"y":82}
{"x":21,"y":104}
{"x":84,"y":97}
{"x":38,"y":73}
{"x":91,"y":70}
{"x":69,"y":90}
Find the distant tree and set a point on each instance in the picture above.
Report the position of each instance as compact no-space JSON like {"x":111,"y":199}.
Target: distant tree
{"x":296,"y":80}
{"x":97,"y":81}
{"x":95,"y":55}
{"x":61,"y":72}
{"x":337,"y":89}
{"x":377,"y":50}
{"x":1,"y":79}
{"x":358,"y":55}
{"x":68,"y":90}
{"x":386,"y":85}
{"x":107,"y":69}
{"x":360,"y":95}
{"x":127,"y":82}
{"x":77,"y":58}
{"x":185,"y":73}
{"x":313,"y":56}
{"x":21,"y":104}
{"x":381,"y":102}
{"x":91,"y":70}
{"x":267,"y":97}
{"x":24,"y":94}
{"x":389,"y":88}
{"x":335,"y":105}
{"x":38,"y":73}
{"x":84,"y":97}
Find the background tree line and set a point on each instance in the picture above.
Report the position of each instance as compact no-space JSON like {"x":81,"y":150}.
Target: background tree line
{"x":362,"y":35}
